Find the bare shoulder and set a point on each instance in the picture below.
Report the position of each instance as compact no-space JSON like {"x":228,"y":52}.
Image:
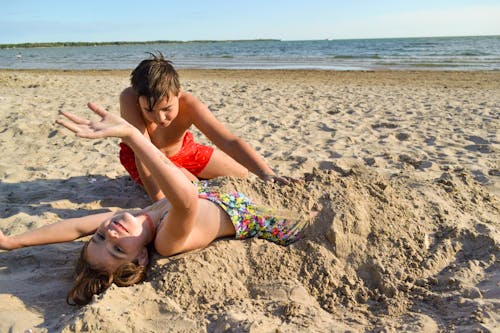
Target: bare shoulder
{"x":128,"y":103}
{"x":191,"y":104}
{"x":128,"y":95}
{"x":129,"y":108}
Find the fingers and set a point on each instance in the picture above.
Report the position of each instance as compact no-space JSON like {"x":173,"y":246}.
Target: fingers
{"x":75,"y":122}
{"x":74,"y":118}
{"x":295,"y":180}
{"x":276,"y":179}
{"x":81,"y":131}
{"x":69,"y":125}
{"x":94,"y":107}
{"x":283,"y":180}
{"x":97,"y":109}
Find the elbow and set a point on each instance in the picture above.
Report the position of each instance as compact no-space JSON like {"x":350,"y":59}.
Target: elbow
{"x":234,"y":146}
{"x":189,"y":202}
{"x":237,"y":142}
{"x":9,"y":243}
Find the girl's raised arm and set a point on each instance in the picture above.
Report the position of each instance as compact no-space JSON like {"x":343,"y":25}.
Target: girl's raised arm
{"x":59,"y":232}
{"x":181,"y":193}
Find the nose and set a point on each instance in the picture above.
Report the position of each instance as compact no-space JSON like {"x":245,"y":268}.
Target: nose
{"x":160,"y":116}
{"x":112,"y":233}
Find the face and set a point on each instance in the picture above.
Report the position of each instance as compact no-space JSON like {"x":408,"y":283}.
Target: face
{"x":118,"y":241}
{"x":164,"y":111}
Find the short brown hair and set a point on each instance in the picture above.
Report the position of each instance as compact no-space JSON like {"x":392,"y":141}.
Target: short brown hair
{"x":90,"y":281}
{"x":155,"y":78}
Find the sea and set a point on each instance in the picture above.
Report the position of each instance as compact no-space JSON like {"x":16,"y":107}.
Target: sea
{"x":431,"y":53}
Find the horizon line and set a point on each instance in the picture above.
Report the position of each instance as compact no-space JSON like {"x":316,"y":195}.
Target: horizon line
{"x":165,"y":41}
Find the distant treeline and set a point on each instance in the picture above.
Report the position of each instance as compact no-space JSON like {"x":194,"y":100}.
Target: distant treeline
{"x":63,"y":44}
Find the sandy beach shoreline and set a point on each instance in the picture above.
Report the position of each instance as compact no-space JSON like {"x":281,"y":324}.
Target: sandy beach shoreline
{"x":402,"y":165}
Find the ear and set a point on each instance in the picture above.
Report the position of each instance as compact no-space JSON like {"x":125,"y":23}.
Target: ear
{"x":143,"y":257}
{"x":142,"y":99}
{"x":179,"y":93}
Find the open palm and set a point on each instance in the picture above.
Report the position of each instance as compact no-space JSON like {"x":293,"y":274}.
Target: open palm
{"x":110,"y":125}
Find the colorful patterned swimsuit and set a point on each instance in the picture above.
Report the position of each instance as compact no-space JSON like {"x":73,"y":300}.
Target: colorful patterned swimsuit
{"x":251,"y":220}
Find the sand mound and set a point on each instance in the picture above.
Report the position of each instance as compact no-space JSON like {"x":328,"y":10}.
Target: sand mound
{"x":380,"y":253}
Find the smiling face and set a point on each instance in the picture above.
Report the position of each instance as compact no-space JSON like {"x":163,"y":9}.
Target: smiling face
{"x":163,"y":112}
{"x":119,"y":240}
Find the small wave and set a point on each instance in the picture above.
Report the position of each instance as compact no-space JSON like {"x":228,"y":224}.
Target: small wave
{"x":343,"y":57}
{"x":340,"y":56}
{"x":388,"y":63}
{"x":473,"y":53}
{"x":425,"y":64}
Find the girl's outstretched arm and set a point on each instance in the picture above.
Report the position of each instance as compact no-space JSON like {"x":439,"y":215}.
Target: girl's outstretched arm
{"x":172,"y":181}
{"x":59,"y":232}
{"x":181,"y":193}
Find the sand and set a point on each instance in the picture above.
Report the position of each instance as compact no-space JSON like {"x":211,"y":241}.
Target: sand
{"x":403,"y":168}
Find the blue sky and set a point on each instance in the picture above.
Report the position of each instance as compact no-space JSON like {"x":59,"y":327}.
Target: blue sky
{"x":62,"y":20}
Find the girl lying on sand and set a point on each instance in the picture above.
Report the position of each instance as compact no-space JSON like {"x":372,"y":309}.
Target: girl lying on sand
{"x":190,"y":217}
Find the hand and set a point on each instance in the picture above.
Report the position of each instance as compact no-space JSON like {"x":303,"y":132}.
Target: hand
{"x":283,"y":180}
{"x":110,"y":125}
{"x":5,"y":242}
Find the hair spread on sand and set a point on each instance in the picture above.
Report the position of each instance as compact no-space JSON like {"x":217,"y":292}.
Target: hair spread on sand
{"x":90,"y":281}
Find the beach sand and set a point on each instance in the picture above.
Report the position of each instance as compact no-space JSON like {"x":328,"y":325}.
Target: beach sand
{"x":403,"y":168}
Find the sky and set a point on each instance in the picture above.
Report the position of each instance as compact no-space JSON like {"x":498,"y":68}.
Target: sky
{"x":34,"y":21}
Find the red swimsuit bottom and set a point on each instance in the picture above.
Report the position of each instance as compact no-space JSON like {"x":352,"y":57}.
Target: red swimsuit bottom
{"x":193,"y":156}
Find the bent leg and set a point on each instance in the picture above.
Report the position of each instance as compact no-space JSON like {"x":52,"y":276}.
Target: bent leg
{"x":127,"y":159}
{"x":221,"y":164}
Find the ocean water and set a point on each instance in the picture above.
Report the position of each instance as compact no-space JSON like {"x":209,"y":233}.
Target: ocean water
{"x":434,"y":53}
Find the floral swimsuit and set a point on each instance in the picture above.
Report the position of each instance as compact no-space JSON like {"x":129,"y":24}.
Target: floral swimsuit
{"x":251,"y":220}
